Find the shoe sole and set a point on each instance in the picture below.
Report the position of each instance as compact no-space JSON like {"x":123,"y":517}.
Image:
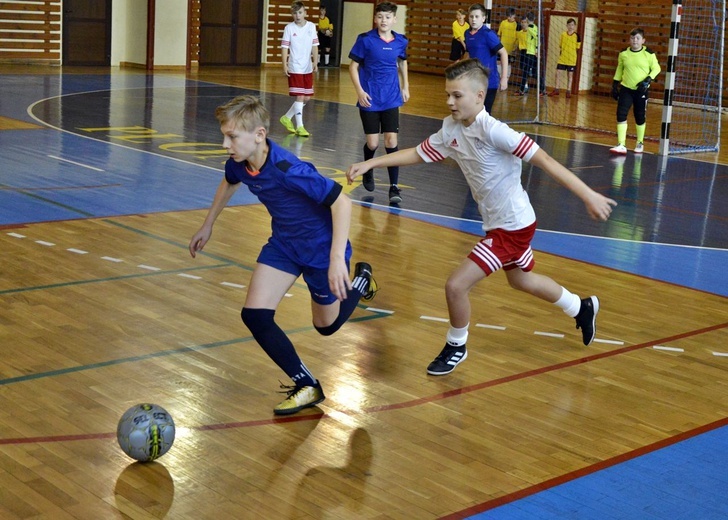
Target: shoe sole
{"x":433,"y":373}
{"x":595,"y":306}
{"x":395,"y":200}
{"x":615,"y":152}
{"x":291,"y":411}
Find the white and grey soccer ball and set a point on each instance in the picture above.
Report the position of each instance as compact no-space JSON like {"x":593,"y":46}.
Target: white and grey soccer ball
{"x":145,"y":432}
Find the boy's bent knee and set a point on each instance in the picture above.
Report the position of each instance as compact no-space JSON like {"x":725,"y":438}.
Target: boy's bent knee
{"x":329,"y":330}
{"x":257,"y":319}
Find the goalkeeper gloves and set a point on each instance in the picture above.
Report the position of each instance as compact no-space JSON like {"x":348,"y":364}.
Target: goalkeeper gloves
{"x":644,"y":85}
{"x":615,"y":89}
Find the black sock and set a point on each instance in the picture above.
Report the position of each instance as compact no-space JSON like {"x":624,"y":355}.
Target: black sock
{"x":347,"y":306}
{"x":276,"y":344}
{"x":393,"y":170}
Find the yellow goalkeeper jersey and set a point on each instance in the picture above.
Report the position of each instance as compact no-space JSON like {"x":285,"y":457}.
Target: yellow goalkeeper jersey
{"x":633,"y":67}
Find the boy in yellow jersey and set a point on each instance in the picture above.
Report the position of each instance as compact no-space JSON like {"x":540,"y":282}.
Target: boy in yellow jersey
{"x":325,"y":33}
{"x":521,"y":37}
{"x":531,"y":67}
{"x":459,"y":26}
{"x":637,"y":67}
{"x":568,"y":47}
{"x":507,"y":30}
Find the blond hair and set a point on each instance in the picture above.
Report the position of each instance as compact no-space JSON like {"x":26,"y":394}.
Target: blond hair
{"x":247,"y":112}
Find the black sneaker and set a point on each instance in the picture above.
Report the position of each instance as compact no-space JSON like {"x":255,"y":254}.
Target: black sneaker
{"x":367,"y":180}
{"x":364,"y":270}
{"x":586,"y":320}
{"x":447,"y":360}
{"x":395,"y":194}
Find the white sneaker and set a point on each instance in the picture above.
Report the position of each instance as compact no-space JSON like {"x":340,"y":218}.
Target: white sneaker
{"x":639,"y":148}
{"x":619,"y":149}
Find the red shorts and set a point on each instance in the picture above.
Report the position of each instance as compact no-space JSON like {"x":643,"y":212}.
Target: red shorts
{"x":506,"y":249}
{"x":300,"y":84}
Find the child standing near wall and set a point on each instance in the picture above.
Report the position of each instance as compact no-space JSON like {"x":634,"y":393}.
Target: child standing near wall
{"x":299,"y":47}
{"x":459,"y":26}
{"x":569,"y":46}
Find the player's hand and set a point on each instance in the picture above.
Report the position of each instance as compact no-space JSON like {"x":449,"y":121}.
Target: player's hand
{"x":339,"y":282}
{"x":615,"y":90}
{"x":199,"y":240}
{"x":355,"y":170}
{"x":365,"y":100}
{"x":599,"y":206}
{"x":644,"y":85}
{"x":405,"y":95}
{"x":285,"y":69}
{"x":504,"y":83}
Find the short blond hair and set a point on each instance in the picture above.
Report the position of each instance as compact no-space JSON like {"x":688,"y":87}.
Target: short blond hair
{"x":247,"y":112}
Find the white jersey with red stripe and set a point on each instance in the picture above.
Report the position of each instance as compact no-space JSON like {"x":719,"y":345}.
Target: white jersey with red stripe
{"x":489,"y":154}
{"x":300,"y":41}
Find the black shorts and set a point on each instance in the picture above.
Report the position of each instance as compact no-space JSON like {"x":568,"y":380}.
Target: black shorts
{"x":383,"y":121}
{"x":561,"y":66}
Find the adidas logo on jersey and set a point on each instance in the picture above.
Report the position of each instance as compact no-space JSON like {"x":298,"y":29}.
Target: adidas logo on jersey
{"x":454,"y":143}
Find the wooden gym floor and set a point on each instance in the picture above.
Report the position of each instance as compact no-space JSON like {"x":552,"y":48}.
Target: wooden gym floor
{"x":105,"y":176}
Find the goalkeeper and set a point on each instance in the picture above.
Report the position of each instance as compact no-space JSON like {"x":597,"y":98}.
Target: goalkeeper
{"x":636,"y":69}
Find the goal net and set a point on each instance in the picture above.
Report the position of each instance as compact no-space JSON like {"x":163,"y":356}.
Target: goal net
{"x":685,"y":99}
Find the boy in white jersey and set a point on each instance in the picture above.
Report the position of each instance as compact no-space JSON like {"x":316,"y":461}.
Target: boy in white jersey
{"x":299,"y":52}
{"x":489,"y":153}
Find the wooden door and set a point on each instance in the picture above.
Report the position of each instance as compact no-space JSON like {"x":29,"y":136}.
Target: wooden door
{"x":87,"y":32}
{"x":231,"y":32}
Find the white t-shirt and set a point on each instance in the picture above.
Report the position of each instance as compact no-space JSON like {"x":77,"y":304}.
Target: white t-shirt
{"x":299,"y":42}
{"x":489,"y":154}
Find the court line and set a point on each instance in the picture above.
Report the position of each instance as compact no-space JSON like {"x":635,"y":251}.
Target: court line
{"x":108,"y":279}
{"x":308,"y":417}
{"x":586,"y":470}
{"x":541,"y":370}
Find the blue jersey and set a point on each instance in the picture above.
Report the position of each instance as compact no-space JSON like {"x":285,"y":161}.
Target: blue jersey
{"x":484,"y":45}
{"x":378,"y":68}
{"x":298,"y":199}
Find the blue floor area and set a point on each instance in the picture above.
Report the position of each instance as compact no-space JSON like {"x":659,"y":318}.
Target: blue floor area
{"x":685,"y":481}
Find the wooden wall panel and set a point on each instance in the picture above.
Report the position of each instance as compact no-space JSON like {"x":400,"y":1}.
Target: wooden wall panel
{"x":30,"y":31}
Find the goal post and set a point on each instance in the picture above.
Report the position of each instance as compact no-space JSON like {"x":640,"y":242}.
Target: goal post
{"x":692,"y":102}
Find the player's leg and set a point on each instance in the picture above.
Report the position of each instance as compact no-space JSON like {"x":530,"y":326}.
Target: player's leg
{"x":557,"y":80}
{"x":287,"y":119}
{"x":371,"y":124}
{"x":272,"y":277}
{"x":640,"y":119}
{"x":327,"y":312}
{"x":457,"y":293}
{"x":584,"y":311}
{"x":624,"y":103}
{"x":490,"y":99}
{"x":390,"y":129}
{"x":569,"y":80}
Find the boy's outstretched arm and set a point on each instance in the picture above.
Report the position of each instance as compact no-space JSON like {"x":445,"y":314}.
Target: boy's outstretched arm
{"x":598,"y":206}
{"x":404,"y":157}
{"x":222,"y":196}
{"x":341,"y":221}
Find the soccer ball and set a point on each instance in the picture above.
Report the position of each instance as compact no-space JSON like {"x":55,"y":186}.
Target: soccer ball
{"x":145,"y":432}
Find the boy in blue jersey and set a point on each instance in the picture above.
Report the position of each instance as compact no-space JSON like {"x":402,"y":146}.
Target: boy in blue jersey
{"x":483,"y":44}
{"x":310,"y":236}
{"x":378,"y":64}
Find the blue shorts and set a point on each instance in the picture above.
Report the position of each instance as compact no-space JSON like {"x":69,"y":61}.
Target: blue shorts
{"x":316,"y":279}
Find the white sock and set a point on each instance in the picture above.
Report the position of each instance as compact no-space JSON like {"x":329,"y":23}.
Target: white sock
{"x":569,"y":303}
{"x":291,"y":111}
{"x":299,"y":113}
{"x":457,"y":337}
{"x":326,"y":59}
